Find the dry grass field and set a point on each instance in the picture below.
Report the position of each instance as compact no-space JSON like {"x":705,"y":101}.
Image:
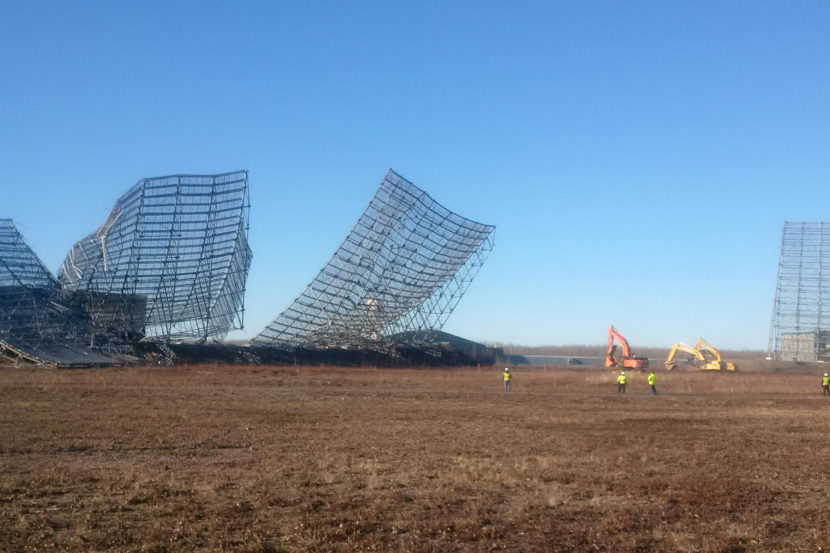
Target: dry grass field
{"x":266,"y":459}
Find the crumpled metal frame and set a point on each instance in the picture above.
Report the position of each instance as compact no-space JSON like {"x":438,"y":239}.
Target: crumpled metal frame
{"x":403,"y":267}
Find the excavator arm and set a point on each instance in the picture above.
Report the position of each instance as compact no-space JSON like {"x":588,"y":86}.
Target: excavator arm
{"x":610,"y":360}
{"x":680,"y":346}
{"x":613,"y":333}
{"x":702,"y":346}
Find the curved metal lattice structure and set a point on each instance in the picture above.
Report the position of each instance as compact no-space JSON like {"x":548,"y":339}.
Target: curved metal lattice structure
{"x":171,"y":260}
{"x":404,"y":267}
{"x":800,"y":328}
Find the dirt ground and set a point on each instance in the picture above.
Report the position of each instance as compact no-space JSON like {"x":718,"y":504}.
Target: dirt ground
{"x":267,"y":459}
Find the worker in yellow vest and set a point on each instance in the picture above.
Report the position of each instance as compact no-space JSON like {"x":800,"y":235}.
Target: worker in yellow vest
{"x":652,"y":381}
{"x":825,"y":384}
{"x":621,"y":382}
{"x":507,"y":378}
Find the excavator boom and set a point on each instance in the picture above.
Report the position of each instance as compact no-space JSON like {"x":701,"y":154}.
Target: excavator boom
{"x":697,"y":356}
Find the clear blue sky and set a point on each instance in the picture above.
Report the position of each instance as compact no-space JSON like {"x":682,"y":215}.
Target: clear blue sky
{"x":638,"y":158}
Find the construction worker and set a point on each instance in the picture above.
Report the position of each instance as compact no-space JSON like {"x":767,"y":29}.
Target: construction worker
{"x":825,"y":384}
{"x":507,"y":377}
{"x":652,"y":381}
{"x":621,"y":382}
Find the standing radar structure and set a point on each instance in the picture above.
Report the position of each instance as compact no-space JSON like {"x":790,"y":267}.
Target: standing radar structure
{"x":171,"y":260}
{"x":401,"y":271}
{"x":800,"y":328}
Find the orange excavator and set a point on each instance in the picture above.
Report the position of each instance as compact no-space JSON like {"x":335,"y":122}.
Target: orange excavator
{"x":628,"y":359}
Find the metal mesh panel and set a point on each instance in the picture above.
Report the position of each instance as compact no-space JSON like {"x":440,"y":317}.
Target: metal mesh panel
{"x":180,"y":244}
{"x":403,"y":267}
{"x":800,"y":328}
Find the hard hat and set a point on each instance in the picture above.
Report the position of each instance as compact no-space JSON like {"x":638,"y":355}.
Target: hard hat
{"x":623,"y":372}
{"x":506,"y":370}
{"x":825,"y":374}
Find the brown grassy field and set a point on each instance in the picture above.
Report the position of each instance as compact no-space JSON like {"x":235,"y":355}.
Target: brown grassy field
{"x":266,"y":459}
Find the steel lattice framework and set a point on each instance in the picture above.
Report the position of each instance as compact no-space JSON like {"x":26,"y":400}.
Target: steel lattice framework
{"x":26,"y":287}
{"x":19,"y":266}
{"x":403,"y":267}
{"x":38,"y":321}
{"x":800,"y":328}
{"x":171,"y":258}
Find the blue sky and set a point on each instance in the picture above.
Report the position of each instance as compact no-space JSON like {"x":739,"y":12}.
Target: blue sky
{"x":637,"y":158}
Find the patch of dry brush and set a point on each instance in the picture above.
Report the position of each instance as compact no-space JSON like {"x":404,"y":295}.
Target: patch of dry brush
{"x":262,"y":459}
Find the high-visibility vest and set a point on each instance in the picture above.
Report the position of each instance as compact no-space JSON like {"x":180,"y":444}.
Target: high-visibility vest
{"x":825,"y":381}
{"x":621,"y":379}
{"x":507,"y":376}
{"x":652,"y":378}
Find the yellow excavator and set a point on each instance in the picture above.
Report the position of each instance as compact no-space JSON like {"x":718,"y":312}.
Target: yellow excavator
{"x":714,"y":362}
{"x":703,"y":356}
{"x":696,"y":358}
